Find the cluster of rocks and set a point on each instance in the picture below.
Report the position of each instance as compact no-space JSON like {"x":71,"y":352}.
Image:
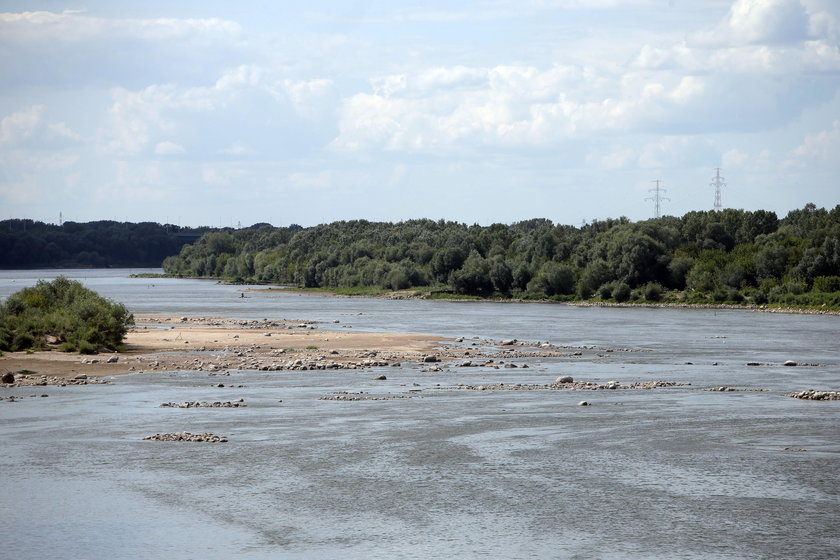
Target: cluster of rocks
{"x":108,"y":360}
{"x":238,"y":403}
{"x":13,"y":398}
{"x":187,"y":436}
{"x":27,"y":380}
{"x":492,"y":364}
{"x":812,"y":395}
{"x":361,"y":396}
{"x":247,"y":358}
{"x":241,"y":323}
{"x":567,"y":383}
{"x":727,"y":389}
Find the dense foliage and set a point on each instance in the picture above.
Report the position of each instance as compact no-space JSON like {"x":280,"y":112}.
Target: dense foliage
{"x":719,"y":256}
{"x":62,"y":312}
{"x":31,"y":244}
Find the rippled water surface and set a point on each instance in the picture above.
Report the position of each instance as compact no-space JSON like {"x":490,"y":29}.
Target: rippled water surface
{"x":677,"y":472}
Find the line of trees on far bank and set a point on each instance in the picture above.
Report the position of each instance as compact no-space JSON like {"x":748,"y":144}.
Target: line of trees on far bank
{"x":729,"y":256}
{"x":33,"y":244}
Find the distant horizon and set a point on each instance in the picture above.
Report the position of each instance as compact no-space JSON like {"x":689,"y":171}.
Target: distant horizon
{"x":780,"y":215}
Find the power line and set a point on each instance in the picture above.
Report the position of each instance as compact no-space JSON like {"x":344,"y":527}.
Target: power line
{"x":657,"y":197}
{"x":717,"y":183}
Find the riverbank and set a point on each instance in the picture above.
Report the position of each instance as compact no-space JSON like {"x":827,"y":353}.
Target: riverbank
{"x":413,"y":294}
{"x":161,"y":342}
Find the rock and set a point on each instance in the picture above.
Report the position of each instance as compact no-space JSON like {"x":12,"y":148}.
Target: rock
{"x":187,"y":436}
{"x":8,"y":377}
{"x":565,"y":379}
{"x":753,"y":364}
{"x":812,"y":395}
{"x":789,"y":363}
{"x":113,"y":359}
{"x":431,"y":359}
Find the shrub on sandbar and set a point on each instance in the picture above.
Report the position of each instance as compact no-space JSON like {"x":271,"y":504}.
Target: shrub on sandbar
{"x":62,"y":312}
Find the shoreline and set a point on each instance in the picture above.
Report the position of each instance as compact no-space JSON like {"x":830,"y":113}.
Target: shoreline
{"x":160,"y":342}
{"x":412,"y":295}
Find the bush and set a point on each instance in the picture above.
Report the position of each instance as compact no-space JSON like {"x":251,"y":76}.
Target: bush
{"x":827,"y":284}
{"x":652,"y":291}
{"x":605,"y":291}
{"x":64,"y":311}
{"x":759,"y":297}
{"x":621,"y":292}
{"x":733,"y":295}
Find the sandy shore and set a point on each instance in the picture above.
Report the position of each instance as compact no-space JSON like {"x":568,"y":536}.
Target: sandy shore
{"x":160,"y":342}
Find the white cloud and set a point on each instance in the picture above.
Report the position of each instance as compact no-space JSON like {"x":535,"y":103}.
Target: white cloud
{"x":61,"y":50}
{"x":21,"y":125}
{"x":768,"y":21}
{"x":29,"y":128}
{"x":206,"y":118}
{"x":824,"y":145}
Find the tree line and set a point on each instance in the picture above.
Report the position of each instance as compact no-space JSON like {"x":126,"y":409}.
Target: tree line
{"x":723,"y":256}
{"x":33,"y":244}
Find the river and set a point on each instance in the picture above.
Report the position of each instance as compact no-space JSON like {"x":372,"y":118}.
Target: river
{"x":678,"y":472}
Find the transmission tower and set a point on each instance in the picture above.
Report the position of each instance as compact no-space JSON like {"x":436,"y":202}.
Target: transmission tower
{"x":717,"y":183}
{"x":657,"y":197}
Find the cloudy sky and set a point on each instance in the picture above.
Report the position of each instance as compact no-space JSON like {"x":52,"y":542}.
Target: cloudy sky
{"x":482,"y":111}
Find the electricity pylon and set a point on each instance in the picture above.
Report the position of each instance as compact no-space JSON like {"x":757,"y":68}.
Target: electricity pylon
{"x":657,"y":197}
{"x":717,"y":183}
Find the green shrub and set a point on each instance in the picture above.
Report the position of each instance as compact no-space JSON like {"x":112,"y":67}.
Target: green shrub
{"x":827,"y":284}
{"x":22,"y":341}
{"x":759,"y":297}
{"x":621,"y":292}
{"x":63,"y":310}
{"x":652,"y":291}
{"x":605,"y":291}
{"x":733,"y":295}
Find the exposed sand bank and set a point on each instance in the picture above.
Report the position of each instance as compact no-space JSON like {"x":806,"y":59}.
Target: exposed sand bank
{"x":184,"y":342}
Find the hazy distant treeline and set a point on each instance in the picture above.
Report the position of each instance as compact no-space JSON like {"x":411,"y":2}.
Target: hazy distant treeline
{"x":31,"y":244}
{"x":722,"y":256}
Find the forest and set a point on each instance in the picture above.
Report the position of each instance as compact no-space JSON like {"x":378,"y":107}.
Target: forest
{"x":729,"y":256}
{"x":32,"y":244}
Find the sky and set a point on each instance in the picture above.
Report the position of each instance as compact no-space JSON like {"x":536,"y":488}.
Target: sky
{"x":485,"y":111}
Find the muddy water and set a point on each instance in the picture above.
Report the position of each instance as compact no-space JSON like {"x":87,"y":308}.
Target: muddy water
{"x":678,"y":472}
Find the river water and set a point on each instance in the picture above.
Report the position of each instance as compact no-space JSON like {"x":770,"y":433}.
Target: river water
{"x":679,"y":472}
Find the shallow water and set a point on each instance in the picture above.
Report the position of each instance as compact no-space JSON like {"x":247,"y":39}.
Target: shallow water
{"x":675,"y":472}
